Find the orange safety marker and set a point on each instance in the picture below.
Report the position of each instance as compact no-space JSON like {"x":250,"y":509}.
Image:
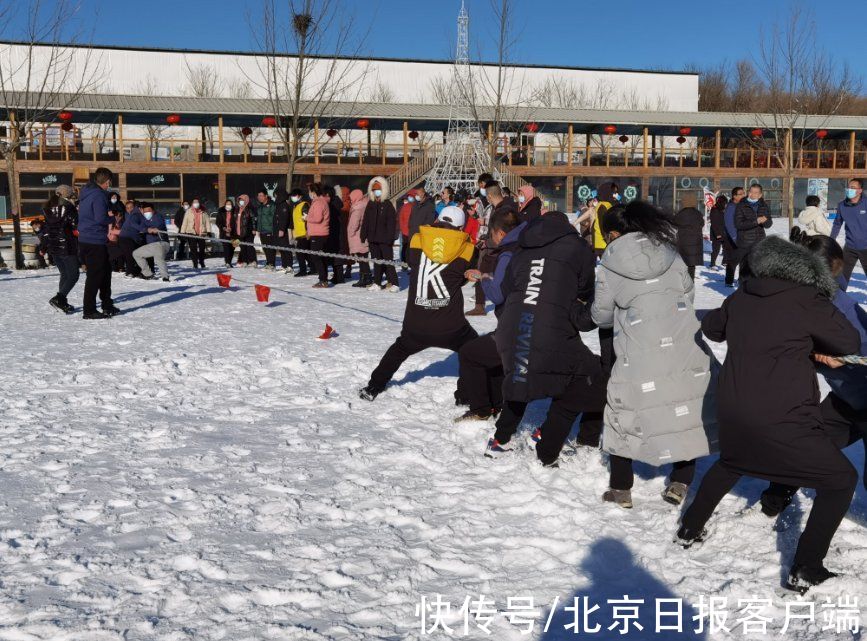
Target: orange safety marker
{"x":328,"y":333}
{"x":223,"y":280}
{"x":262,"y":293}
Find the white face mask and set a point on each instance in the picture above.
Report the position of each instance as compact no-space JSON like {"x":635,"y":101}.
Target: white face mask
{"x":295,"y":199}
{"x":148,"y":215}
{"x":521,"y":198}
{"x":312,"y":196}
{"x":483,"y":192}
{"x":114,"y":200}
{"x":186,"y":207}
{"x":195,"y":204}
{"x":241,"y":203}
{"x":411,"y":199}
{"x":377,"y":193}
{"x":228,"y":208}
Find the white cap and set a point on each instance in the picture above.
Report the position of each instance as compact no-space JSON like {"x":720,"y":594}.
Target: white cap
{"x":454,"y":216}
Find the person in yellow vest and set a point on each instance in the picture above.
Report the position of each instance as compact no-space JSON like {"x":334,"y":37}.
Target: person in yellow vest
{"x":299,"y":231}
{"x":608,"y":194}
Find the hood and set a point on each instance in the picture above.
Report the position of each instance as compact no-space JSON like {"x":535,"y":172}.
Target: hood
{"x":383,"y":182}
{"x":546,"y":229}
{"x":442,"y":245}
{"x":355,"y":195}
{"x":246,"y":200}
{"x":779,"y":259}
{"x":636,"y":257}
{"x":90,"y":191}
{"x":604,"y":193}
{"x":513,"y":235}
{"x":528,"y":192}
{"x":812,"y":209}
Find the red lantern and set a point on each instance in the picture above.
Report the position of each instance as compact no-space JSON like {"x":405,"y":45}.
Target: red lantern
{"x":413,"y":135}
{"x":67,"y":126}
{"x":331,"y":133}
{"x":246,"y":131}
{"x":624,"y":139}
{"x":363,"y":123}
{"x":610,"y":129}
{"x":532,"y":127}
{"x":65,"y":116}
{"x":685,"y":131}
{"x":173,"y":119}
{"x":269,"y":121}
{"x":822,"y":134}
{"x":681,"y":140}
{"x":757,"y":133}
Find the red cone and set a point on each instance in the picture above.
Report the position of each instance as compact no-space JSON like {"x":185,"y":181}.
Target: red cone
{"x":223,"y":280}
{"x":262,"y":293}
{"x":328,"y":333}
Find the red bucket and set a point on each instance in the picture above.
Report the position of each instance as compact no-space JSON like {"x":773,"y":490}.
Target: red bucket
{"x":223,"y":280}
{"x":262,"y":293}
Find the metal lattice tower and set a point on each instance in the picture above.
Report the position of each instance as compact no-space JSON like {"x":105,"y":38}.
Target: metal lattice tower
{"x":464,"y":156}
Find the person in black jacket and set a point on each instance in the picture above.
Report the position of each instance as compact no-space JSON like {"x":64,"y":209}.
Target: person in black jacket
{"x":61,"y":222}
{"x":423,"y":212}
{"x":551,"y":279}
{"x":225,"y":221}
{"x":336,"y":232}
{"x":770,"y":420}
{"x":283,"y":224}
{"x":379,"y":230}
{"x":439,"y":256}
{"x":718,"y":237}
{"x":752,"y":218}
{"x":178,"y":220}
{"x":690,"y":242}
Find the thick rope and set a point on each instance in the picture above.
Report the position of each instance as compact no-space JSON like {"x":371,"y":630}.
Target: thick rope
{"x":290,"y":248}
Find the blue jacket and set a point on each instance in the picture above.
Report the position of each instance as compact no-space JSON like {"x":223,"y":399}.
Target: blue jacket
{"x":93,"y":218}
{"x":729,"y":219}
{"x":850,"y":381}
{"x":854,"y":215}
{"x":134,"y":226}
{"x":493,"y":287}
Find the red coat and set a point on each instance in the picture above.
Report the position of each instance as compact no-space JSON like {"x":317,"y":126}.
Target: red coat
{"x":403,"y":218}
{"x":472,"y":228}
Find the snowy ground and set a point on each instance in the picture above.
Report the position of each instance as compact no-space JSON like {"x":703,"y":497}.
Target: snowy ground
{"x":201,"y":468}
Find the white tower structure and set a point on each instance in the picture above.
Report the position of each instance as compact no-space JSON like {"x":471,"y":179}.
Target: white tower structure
{"x":464,"y":156}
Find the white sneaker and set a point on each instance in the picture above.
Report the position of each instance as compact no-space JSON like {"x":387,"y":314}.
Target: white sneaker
{"x":373,"y":287}
{"x":394,"y":289}
{"x":495,"y":449}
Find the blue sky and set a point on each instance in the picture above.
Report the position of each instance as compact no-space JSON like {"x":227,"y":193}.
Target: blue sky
{"x":597,"y":33}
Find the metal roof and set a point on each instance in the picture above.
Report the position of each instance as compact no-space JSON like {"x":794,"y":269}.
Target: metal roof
{"x":92,"y":108}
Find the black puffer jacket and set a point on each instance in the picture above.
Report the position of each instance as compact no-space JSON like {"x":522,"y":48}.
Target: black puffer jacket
{"x":718,"y":223}
{"x":424,"y":213}
{"x":61,"y":222}
{"x":380,"y":223}
{"x":746,"y":222}
{"x":768,"y":395}
{"x":690,"y":244}
{"x":537,"y":336}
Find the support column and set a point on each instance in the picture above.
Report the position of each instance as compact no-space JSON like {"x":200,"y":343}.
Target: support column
{"x":645,"y":159}
{"x":121,"y":185}
{"x":570,"y":183}
{"x":569,"y":150}
{"x":316,"y":141}
{"x":120,"y":137}
{"x":851,"y":150}
{"x":221,"y":187}
{"x":717,"y":148}
{"x":405,"y":143}
{"x":219,"y":142}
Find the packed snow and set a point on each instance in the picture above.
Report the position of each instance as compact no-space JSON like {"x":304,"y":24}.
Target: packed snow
{"x":201,"y":467}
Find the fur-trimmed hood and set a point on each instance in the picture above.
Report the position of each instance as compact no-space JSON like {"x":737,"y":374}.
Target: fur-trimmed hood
{"x":382,"y":182}
{"x":777,"y":258}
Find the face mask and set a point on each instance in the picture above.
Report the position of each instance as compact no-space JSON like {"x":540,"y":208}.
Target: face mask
{"x":241,"y":203}
{"x":195,"y":204}
{"x":410,"y":199}
{"x":377,"y":193}
{"x":312,"y":196}
{"x":521,"y":198}
{"x":295,"y":199}
{"x":148,"y":215}
{"x":483,"y":192}
{"x":617,"y":197}
{"x":186,"y":207}
{"x":228,"y":208}
{"x":114,"y":200}
{"x":752,"y":201}
{"x":851,"y":193}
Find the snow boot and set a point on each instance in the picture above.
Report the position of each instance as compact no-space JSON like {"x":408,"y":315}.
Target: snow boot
{"x":110,"y":310}
{"x":495,"y":449}
{"x":57,"y":304}
{"x":675,"y":493}
{"x":475,"y":415}
{"x":623,"y":498}
{"x":478,"y":310}
{"x":686,"y":537}
{"x":368,"y":393}
{"x":775,"y":500}
{"x":802,"y":578}
{"x":95,"y":315}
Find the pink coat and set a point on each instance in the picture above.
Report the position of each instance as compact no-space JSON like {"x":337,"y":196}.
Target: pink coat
{"x":318,"y":217}
{"x":356,"y":217}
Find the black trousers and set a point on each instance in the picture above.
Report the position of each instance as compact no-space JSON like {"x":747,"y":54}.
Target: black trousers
{"x":285,"y":254}
{"x":482,"y":373}
{"x":736,"y":255}
{"x":128,"y":246}
{"x":385,"y":252}
{"x":404,"y":247}
{"x":590,"y":428}
{"x":305,"y":263}
{"x":691,"y":271}
{"x":622,"y":477}
{"x":97,"y":280}
{"x":270,"y":254}
{"x":583,"y":393}
{"x":829,"y":508}
{"x":409,"y":343}
{"x":852,"y":256}
{"x":363,"y":266}
{"x":720,"y":245}
{"x":70,"y":270}
{"x":197,"y":251}
{"x":320,"y":265}
{"x":247,"y":253}
{"x":228,"y":252}
{"x":182,"y":244}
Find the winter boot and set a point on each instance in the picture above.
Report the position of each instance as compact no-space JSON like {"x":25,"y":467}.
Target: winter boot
{"x":362,"y":282}
{"x":802,"y":578}
{"x":67,"y":308}
{"x":368,"y":393}
{"x":776,"y":499}
{"x":623,"y":498}
{"x":495,"y":449}
{"x":57,"y":304}
{"x":478,"y":310}
{"x":95,"y":315}
{"x":475,"y":415}
{"x":675,"y":493}
{"x":686,"y":537}
{"x":110,"y":310}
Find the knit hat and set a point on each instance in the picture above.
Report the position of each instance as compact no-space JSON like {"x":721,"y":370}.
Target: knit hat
{"x":64,"y":191}
{"x":454,"y":216}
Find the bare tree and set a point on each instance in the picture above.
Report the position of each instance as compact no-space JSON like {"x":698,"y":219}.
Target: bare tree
{"x":155,"y":132}
{"x":203,"y":81}
{"x":310,"y":60}
{"x":380,"y":93}
{"x":38,"y":80}
{"x":241,"y":88}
